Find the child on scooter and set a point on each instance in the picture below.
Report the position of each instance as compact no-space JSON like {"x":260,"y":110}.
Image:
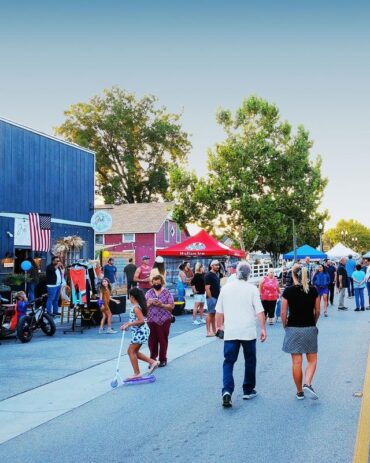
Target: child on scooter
{"x":139,"y":332}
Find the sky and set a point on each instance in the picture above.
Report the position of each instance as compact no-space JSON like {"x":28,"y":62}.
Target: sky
{"x":312,"y":59}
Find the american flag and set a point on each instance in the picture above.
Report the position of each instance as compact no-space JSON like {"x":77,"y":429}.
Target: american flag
{"x":40,"y":228}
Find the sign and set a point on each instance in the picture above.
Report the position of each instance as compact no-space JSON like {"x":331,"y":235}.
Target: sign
{"x":120,"y":261}
{"x":101,"y":221}
{"x":22,"y":235}
{"x":196,"y":247}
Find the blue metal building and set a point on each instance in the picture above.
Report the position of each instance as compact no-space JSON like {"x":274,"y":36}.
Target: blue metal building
{"x":40,"y":173}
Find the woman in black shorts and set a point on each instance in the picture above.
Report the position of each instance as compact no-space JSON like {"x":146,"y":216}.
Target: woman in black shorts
{"x":300,"y":328}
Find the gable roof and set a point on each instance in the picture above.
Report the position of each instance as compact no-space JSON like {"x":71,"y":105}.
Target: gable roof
{"x":138,"y":217}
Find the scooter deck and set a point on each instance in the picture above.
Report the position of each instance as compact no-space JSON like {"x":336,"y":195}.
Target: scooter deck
{"x":140,"y":380}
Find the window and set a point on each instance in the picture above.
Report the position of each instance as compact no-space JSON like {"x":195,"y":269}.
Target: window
{"x":128,"y":238}
{"x":166,"y":231}
{"x":178,"y":235}
{"x":99,"y":239}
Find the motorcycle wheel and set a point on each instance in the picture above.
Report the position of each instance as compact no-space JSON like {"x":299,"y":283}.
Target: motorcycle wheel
{"x":24,"y":329}
{"x":47,"y":324}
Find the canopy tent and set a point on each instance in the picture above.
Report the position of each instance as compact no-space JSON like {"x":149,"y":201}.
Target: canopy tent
{"x":201,"y":244}
{"x":305,"y":251}
{"x":367,"y":255}
{"x":340,"y":250}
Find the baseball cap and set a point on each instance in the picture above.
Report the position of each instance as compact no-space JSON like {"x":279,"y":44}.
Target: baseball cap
{"x":215,"y":262}
{"x":159,"y":260}
{"x":145,"y":258}
{"x":232,"y":265}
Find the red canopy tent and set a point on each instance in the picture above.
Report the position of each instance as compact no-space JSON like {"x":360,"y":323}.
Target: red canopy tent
{"x":201,"y":244}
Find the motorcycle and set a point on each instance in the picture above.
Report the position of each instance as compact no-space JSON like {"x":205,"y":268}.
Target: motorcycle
{"x":36,"y":317}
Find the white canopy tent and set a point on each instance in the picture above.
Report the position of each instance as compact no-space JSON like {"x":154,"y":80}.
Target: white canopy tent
{"x":367,"y":255}
{"x":339,"y":250}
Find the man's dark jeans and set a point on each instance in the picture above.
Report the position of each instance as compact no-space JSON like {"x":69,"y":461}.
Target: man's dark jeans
{"x":331,"y":293}
{"x":231,"y":352}
{"x":351,"y":290}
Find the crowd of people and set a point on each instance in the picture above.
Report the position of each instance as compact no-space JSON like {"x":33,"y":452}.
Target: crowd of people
{"x":232,"y":304}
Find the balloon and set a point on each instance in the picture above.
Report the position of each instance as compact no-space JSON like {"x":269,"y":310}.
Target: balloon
{"x":26,"y":265}
{"x":106,"y":253}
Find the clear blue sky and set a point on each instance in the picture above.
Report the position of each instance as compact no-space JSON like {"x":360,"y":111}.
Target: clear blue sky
{"x":310,"y":58}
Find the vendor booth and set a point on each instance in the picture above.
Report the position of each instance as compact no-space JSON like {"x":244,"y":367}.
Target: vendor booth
{"x":305,"y":251}
{"x":201,"y":244}
{"x":340,"y":250}
{"x":201,"y":247}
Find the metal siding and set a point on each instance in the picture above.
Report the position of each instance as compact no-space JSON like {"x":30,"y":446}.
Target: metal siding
{"x":42,"y":175}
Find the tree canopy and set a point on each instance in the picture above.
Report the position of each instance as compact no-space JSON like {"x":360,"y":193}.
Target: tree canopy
{"x":259,"y":179}
{"x":135,"y":143}
{"x":351,"y":233}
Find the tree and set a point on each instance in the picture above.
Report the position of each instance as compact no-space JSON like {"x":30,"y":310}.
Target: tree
{"x":135,"y":143}
{"x":351,"y":233}
{"x":260,"y":178}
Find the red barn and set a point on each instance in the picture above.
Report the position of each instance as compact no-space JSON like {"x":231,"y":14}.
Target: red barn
{"x":140,"y":228}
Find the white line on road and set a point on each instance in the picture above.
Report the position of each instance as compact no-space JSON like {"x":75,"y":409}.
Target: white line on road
{"x":30,"y":409}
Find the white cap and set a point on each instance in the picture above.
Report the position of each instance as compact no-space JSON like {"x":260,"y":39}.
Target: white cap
{"x":215,"y":262}
{"x":159,"y":260}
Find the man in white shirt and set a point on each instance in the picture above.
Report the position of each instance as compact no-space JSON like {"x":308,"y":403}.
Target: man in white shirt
{"x":237,"y":307}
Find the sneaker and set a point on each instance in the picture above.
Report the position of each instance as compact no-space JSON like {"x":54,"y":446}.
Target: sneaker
{"x":357,"y":310}
{"x":368,"y":307}
{"x":250,"y":395}
{"x":271,"y":321}
{"x":195,"y":322}
{"x":153,"y":367}
{"x":111,"y":331}
{"x":226,"y":400}
{"x":309,"y":389}
{"x":342,"y":308}
{"x":101,"y":331}
{"x":363,"y":309}
{"x":203,"y":320}
{"x":300,"y":395}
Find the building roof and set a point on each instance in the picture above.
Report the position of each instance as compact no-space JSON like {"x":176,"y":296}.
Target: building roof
{"x":138,"y":217}
{"x":59,"y":140}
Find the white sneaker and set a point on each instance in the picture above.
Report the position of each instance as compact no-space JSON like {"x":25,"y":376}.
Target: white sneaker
{"x":102,"y":331}
{"x":195,"y":322}
{"x":203,"y":320}
{"x":110,"y":331}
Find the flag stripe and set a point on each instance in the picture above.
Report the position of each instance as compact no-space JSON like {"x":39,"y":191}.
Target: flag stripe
{"x":40,"y":228}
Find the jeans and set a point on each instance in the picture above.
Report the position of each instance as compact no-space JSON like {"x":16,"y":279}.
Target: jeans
{"x":53,"y":299}
{"x":368,"y":290}
{"x":231,"y":352}
{"x":350,"y":287}
{"x":342,"y":293}
{"x":331,"y":293}
{"x":360,"y":300}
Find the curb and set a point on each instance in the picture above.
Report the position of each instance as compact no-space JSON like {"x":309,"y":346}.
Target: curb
{"x":361,"y":453}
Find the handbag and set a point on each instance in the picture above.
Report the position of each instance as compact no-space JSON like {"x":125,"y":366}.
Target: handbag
{"x":173,"y":318}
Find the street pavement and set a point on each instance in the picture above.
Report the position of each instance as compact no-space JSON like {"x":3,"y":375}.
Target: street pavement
{"x":180,"y":417}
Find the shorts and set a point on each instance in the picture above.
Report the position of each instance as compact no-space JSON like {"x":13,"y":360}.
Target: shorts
{"x":200,"y":298}
{"x":211,"y":305}
{"x":322,"y":290}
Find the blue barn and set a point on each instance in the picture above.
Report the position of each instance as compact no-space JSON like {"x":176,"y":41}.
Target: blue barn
{"x":42,"y":174}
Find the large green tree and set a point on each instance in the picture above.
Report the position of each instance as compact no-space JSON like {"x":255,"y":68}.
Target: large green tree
{"x":351,"y":233}
{"x":260,"y":179}
{"x":135,"y":143}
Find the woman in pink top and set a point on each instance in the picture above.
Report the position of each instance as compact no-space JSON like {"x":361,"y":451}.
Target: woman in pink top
{"x":270,"y":292}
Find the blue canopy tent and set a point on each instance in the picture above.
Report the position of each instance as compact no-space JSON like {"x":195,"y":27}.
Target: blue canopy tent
{"x":305,"y":251}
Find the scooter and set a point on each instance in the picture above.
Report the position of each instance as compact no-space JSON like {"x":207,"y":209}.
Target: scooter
{"x":36,"y":317}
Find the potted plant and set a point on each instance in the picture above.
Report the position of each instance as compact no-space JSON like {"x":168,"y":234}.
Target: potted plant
{"x":16,"y":281}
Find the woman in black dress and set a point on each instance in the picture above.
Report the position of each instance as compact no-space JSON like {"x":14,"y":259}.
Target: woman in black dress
{"x":300,"y":328}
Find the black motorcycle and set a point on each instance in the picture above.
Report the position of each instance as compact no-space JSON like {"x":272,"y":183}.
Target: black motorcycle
{"x":36,"y":317}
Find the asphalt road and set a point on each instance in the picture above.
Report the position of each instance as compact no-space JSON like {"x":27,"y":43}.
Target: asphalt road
{"x":180,"y":417}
